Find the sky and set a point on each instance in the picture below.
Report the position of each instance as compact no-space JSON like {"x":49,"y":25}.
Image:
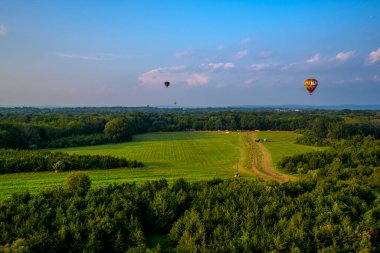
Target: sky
{"x":214,"y":53}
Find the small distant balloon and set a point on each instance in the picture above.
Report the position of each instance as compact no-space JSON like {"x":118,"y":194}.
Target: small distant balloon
{"x":175,"y":102}
{"x":166,"y":83}
{"x":311,"y":84}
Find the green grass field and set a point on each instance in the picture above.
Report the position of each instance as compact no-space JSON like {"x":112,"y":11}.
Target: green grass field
{"x":281,"y":144}
{"x":190,"y":155}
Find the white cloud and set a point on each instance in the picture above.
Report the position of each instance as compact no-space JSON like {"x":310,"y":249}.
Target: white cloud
{"x":263,"y":66}
{"x":249,"y":82}
{"x":174,"y":74}
{"x":314,"y":59}
{"x":259,"y":66}
{"x":97,"y":57}
{"x":376,"y":78}
{"x":265,"y":54}
{"x":183,"y":54}
{"x":229,"y":65}
{"x":3,"y":31}
{"x":220,"y":47}
{"x":211,"y":66}
{"x":241,"y":54}
{"x":344,"y":56}
{"x":197,"y":79}
{"x":245,"y":41}
{"x":374,"y":57}
{"x":159,"y":75}
{"x":217,"y":66}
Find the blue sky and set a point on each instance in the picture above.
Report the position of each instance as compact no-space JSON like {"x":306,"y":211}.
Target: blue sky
{"x":214,"y":53}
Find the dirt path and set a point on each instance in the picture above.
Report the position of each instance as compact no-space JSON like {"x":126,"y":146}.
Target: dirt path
{"x":261,"y":163}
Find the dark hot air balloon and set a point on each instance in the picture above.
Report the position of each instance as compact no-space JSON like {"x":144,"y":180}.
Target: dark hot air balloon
{"x":311,"y":84}
{"x":167,"y":83}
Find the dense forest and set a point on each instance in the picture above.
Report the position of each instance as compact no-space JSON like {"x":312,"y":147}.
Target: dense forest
{"x":325,"y":213}
{"x":28,"y":128}
{"x":334,"y":208}
{"x":351,"y":153}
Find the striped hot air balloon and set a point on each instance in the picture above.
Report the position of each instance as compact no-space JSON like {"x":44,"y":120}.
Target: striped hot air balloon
{"x":311,"y":84}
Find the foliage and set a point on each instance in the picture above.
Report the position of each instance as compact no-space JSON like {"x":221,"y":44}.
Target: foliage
{"x":322,"y":131}
{"x":30,"y":128}
{"x":333,"y":209}
{"x":117,"y":130}
{"x":324,"y":214}
{"x":344,"y":154}
{"x":77,"y":183}
{"x":12,"y":161}
{"x":78,"y":140}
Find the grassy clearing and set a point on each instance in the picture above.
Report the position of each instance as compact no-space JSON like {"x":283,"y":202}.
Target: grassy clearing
{"x":281,"y":144}
{"x":190,"y":155}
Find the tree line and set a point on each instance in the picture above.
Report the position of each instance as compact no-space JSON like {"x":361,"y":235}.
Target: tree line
{"x":12,"y":161}
{"x":33,"y":128}
{"x":351,"y":153}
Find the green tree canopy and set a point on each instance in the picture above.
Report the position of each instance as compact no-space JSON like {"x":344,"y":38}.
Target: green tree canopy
{"x":77,"y":182}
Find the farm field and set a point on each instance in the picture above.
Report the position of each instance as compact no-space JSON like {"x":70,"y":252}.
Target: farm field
{"x":189,"y":155}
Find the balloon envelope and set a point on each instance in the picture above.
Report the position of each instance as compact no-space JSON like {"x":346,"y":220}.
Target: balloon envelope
{"x":311,"y":84}
{"x":167,"y":84}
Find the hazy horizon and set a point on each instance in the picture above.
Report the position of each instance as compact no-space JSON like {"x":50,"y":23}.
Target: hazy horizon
{"x":214,"y":53}
{"x":269,"y":106}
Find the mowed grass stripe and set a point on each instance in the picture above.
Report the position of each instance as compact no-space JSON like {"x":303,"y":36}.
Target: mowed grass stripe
{"x":190,"y":155}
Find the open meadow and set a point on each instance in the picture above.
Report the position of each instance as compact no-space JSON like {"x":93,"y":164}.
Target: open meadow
{"x":281,"y":144}
{"x":189,"y":155}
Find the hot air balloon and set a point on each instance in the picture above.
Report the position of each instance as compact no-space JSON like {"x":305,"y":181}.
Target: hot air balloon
{"x":166,"y":83}
{"x":311,"y":84}
{"x":175,"y":102}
